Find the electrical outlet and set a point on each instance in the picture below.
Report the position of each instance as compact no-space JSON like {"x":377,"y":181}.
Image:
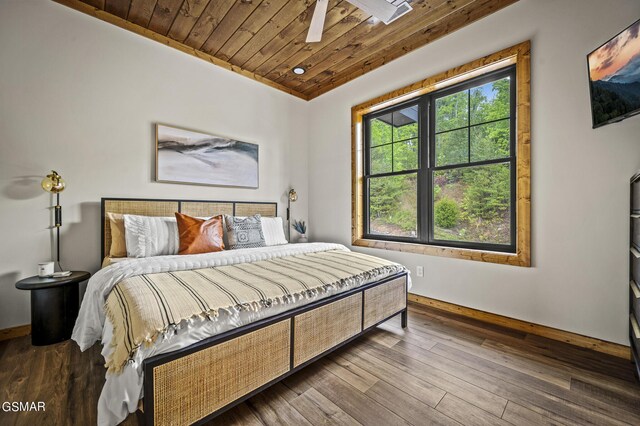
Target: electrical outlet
{"x":420,"y":271}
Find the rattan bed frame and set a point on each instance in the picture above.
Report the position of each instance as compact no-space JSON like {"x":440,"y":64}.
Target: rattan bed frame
{"x":197,"y":383}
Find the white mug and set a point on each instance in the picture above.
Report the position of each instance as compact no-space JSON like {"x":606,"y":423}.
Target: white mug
{"x":45,"y":269}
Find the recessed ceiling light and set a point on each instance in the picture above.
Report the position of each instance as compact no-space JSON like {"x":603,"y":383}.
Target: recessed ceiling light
{"x":298,"y":70}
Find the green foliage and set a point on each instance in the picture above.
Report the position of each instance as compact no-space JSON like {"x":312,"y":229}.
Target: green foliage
{"x":381,"y":159}
{"x":610,"y":101}
{"x":393,"y":200}
{"x":490,"y":141}
{"x":486,"y":103}
{"x":452,"y":147}
{"x":405,"y":155}
{"x":380,"y":132}
{"x":446,"y":213}
{"x":452,"y":112}
{"x":405,"y":219}
{"x":437,"y":190}
{"x":393,"y":149}
{"x":484,"y":109}
{"x":408,"y":131}
{"x":471,"y":203}
{"x":488,"y":191}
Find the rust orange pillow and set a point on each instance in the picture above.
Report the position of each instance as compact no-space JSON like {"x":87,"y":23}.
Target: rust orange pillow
{"x":199,"y":235}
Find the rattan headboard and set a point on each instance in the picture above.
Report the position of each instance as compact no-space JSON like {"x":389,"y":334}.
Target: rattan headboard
{"x":198,"y":208}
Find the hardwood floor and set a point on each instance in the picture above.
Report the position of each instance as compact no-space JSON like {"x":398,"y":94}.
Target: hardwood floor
{"x":444,"y":370}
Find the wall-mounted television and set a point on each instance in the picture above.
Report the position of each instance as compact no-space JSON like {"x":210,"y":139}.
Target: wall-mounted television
{"x":614,"y":77}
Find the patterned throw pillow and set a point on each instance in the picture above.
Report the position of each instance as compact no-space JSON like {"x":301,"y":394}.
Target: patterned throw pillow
{"x":244,"y":232}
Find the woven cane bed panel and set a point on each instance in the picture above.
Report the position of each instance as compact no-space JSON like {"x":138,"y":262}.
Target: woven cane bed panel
{"x":384,"y":300}
{"x":204,"y":209}
{"x":139,"y":207}
{"x":320,"y":329}
{"x":189,"y":388}
{"x":249,"y":209}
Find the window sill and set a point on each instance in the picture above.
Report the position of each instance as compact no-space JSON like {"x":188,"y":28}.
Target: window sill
{"x":517,"y":259}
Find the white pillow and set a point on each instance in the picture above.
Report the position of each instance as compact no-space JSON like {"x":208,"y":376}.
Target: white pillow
{"x":273,"y":231}
{"x":148,"y":236}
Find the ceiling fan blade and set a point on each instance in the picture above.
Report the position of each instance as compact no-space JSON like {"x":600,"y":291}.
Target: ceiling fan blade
{"x":382,"y":9}
{"x":317,"y":21}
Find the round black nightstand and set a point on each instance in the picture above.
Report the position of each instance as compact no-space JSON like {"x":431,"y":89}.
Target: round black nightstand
{"x":54,"y":306}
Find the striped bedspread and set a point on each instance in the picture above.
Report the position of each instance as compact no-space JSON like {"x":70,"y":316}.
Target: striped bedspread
{"x":145,"y":307}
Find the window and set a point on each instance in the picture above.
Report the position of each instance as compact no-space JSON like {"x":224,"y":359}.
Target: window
{"x":444,"y":171}
{"x":393,"y":144}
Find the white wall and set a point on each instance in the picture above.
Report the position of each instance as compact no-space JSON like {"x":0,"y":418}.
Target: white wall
{"x":81,"y":96}
{"x":580,"y":198}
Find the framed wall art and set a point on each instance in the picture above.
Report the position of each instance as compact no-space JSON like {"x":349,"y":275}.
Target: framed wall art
{"x":187,"y":156}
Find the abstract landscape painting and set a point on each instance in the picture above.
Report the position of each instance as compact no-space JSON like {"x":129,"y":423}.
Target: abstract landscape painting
{"x":614,"y":73}
{"x":186,"y":156}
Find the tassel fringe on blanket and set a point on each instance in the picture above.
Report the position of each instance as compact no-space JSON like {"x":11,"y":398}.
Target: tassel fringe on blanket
{"x":148,"y":307}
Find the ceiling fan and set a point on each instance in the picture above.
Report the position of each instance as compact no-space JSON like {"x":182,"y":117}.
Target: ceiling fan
{"x":385,"y":10}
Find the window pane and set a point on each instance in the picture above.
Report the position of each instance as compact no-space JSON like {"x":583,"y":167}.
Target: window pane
{"x":452,"y":111}
{"x":490,"y":101}
{"x":405,"y":123}
{"x":472,"y":204}
{"x":381,"y":159}
{"x":393,"y":205}
{"x":405,"y":155}
{"x":490,"y":141}
{"x":380,"y":129}
{"x":452,"y":147}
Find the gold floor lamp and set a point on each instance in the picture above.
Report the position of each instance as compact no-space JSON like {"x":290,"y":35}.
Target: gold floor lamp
{"x":54,"y":184}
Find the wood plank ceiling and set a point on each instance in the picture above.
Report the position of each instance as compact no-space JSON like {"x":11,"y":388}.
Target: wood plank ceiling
{"x":265,"y":39}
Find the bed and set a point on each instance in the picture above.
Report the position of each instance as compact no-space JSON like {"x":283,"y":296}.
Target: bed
{"x":194,"y":370}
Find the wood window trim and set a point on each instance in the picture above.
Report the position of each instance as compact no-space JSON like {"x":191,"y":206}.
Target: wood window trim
{"x":520,"y":55}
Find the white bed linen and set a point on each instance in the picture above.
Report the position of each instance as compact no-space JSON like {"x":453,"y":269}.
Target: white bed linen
{"x":111,"y":260}
{"x":122,"y":391}
{"x":90,"y":322}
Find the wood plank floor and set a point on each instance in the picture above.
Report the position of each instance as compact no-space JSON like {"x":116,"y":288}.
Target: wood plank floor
{"x":444,"y":370}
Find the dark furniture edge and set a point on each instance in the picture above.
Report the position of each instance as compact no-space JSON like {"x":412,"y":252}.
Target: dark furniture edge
{"x":75,"y":277}
{"x":634,"y":349}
